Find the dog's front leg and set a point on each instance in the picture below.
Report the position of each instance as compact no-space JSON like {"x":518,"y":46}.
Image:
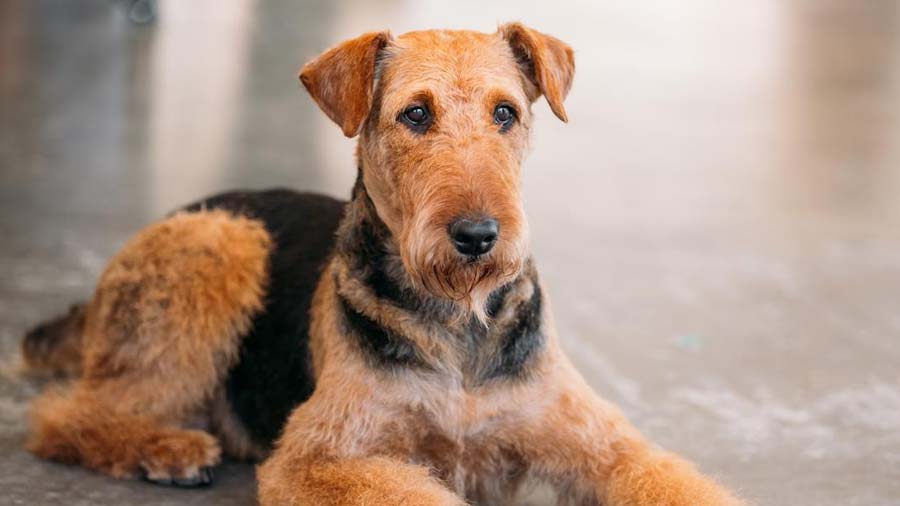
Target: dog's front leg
{"x":585,"y":443}
{"x":334,"y":452}
{"x":366,"y":481}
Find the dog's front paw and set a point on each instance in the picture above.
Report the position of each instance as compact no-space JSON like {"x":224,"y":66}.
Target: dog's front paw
{"x":180,"y":457}
{"x":648,"y":479}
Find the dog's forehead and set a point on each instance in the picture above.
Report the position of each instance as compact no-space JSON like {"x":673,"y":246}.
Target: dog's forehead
{"x":450,"y":58}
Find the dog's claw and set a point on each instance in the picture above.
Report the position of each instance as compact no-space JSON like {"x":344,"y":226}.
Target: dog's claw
{"x":203,"y":478}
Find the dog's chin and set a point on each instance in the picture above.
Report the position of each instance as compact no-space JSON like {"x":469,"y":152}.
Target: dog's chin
{"x":467,"y":282}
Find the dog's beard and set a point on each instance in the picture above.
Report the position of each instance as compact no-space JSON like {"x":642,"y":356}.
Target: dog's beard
{"x":435,"y":267}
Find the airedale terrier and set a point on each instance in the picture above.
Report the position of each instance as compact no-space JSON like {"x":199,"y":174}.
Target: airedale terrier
{"x":396,"y":349}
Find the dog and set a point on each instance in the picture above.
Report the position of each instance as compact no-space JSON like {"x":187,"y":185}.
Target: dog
{"x":394,"y":349}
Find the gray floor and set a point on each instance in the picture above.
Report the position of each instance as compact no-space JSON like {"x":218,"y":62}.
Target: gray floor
{"x":719,"y":223}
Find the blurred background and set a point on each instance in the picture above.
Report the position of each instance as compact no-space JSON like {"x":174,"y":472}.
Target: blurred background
{"x":718,"y":224}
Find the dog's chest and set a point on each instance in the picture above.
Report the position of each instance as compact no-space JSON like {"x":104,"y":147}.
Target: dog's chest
{"x":462,"y":439}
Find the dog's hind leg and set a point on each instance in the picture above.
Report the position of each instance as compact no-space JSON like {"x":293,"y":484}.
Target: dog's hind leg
{"x":159,"y":337}
{"x":78,"y":426}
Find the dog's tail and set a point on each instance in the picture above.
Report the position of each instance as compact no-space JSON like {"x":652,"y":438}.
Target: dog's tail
{"x":54,"y":347}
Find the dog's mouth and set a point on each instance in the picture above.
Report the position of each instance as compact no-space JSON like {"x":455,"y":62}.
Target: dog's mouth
{"x":474,"y":260}
{"x":437,"y":265}
{"x":466,"y":280}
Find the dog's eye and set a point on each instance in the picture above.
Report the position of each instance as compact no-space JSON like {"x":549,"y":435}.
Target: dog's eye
{"x":504,"y":116}
{"x":416,"y":115}
{"x":417,"y":118}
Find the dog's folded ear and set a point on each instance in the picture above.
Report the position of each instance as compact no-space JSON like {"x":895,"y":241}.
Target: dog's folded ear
{"x":341,"y":80}
{"x":546,"y":61}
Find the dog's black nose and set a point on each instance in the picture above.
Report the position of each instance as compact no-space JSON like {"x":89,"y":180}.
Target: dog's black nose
{"x":474,"y":238}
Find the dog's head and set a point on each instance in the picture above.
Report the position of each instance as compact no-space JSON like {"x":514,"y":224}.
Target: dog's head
{"x":443,"y":119}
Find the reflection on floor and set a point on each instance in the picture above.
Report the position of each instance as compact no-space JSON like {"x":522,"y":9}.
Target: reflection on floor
{"x":717,"y":224}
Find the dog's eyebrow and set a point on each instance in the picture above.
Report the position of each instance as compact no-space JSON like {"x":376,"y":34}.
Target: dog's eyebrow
{"x":498,"y":96}
{"x":421,"y":97}
{"x":424,"y":97}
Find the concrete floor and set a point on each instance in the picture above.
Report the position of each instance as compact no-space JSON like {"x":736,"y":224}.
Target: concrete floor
{"x":718,"y":224}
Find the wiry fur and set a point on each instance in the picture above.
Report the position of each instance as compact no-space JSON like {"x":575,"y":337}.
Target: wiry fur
{"x":438,"y":378}
{"x":158,"y":338}
{"x":54,"y":347}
